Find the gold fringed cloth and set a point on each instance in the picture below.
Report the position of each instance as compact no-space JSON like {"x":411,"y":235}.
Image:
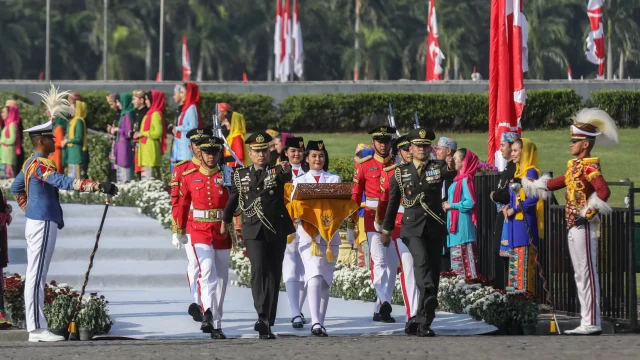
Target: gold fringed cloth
{"x":321,"y":216}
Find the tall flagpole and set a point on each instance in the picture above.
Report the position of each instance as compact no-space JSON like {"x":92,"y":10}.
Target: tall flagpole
{"x":104,"y":43}
{"x":161,"y":55}
{"x":47,"y":60}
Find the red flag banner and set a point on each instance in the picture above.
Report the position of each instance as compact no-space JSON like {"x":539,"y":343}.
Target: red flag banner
{"x":508,"y":60}
{"x":434,"y":54}
{"x":595,"y":39}
{"x":186,"y":64}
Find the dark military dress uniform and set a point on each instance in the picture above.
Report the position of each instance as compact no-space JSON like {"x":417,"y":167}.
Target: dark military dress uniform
{"x":259,"y":193}
{"x":423,"y":229}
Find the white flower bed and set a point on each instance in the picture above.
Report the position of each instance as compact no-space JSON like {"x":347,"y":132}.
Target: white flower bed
{"x":150,"y":197}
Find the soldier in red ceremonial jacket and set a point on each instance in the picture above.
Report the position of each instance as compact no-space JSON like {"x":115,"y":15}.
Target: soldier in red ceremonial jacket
{"x":203,"y":188}
{"x":586,"y":197}
{"x":410,"y":292}
{"x":384,"y":260}
{"x":180,"y":168}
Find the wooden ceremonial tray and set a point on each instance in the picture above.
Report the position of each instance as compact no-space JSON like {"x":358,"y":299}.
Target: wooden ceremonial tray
{"x":323,"y":191}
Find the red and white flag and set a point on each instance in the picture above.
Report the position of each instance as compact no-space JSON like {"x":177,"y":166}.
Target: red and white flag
{"x":508,"y":61}
{"x":297,"y":42}
{"x":277,"y":41}
{"x":595,"y":39}
{"x":285,"y":42}
{"x":186,"y":64}
{"x":569,"y":75}
{"x":434,"y":54}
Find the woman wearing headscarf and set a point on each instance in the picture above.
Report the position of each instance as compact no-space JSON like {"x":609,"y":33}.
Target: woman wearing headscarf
{"x":76,"y":142}
{"x":123,"y":150}
{"x":152,"y":136}
{"x":111,"y":100}
{"x":141,"y":109}
{"x":525,"y":216}
{"x":60,"y":126}
{"x":10,"y":141}
{"x":462,"y":216}
{"x":190,"y":118}
{"x":237,"y":132}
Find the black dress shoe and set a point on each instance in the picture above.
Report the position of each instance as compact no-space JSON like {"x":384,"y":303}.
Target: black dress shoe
{"x":207,"y":322}
{"x":411,"y":327}
{"x":272,"y":336}
{"x":385,"y":313}
{"x":195,"y":311}
{"x":217,"y":334}
{"x":297,"y":322}
{"x":318,"y":331}
{"x":377,"y":317}
{"x":263,"y":329}
{"x":425,"y":331}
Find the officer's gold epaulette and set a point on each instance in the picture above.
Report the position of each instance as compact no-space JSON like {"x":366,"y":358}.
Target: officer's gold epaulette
{"x":189,"y":171}
{"x":364,"y":159}
{"x":47,"y":162}
{"x":181,"y":163}
{"x":389,"y":168}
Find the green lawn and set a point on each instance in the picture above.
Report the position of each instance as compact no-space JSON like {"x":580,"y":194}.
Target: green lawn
{"x":619,"y":162}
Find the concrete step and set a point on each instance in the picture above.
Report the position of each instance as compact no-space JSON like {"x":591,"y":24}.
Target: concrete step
{"x":18,"y":255}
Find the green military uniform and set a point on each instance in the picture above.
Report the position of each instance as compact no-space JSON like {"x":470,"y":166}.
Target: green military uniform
{"x":418,"y":188}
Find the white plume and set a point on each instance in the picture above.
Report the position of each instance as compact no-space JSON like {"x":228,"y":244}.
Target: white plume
{"x":600,"y":119}
{"x":56,"y":102}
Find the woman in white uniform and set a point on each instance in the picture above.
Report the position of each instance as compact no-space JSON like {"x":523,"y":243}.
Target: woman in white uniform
{"x":318,"y":271}
{"x":292,"y":268}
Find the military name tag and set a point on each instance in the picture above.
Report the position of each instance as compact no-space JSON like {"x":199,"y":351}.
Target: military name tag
{"x":197,"y":180}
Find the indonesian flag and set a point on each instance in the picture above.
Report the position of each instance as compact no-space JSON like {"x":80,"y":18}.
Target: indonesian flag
{"x":186,"y":65}
{"x":434,"y":55}
{"x":507,"y":63}
{"x":277,"y":41}
{"x":595,"y":40}
{"x":285,"y":41}
{"x":569,"y":75}
{"x":297,"y":41}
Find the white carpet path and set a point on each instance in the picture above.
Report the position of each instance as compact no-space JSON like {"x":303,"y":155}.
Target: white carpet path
{"x":143,"y":277}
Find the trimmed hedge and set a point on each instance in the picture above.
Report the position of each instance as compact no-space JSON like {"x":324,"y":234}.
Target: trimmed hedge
{"x":622,"y":105}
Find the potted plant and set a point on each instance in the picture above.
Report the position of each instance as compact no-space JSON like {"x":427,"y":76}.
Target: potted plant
{"x":60,"y":312}
{"x":525,"y":312}
{"x":493,"y":309}
{"x":93,"y":318}
{"x":14,"y":299}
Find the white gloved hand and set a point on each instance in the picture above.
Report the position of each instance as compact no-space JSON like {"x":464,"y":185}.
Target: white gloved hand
{"x":179,"y":240}
{"x":377,"y":226}
{"x":351,"y":236}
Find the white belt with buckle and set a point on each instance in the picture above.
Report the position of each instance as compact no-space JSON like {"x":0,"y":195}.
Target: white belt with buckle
{"x":371,"y":203}
{"x":207,"y":214}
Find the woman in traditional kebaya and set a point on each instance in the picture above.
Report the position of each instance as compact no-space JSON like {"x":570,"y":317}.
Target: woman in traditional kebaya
{"x":190,"y":118}
{"x":10,"y":141}
{"x":462,"y":217}
{"x":237,"y":133}
{"x":123,"y":132}
{"x":525,"y":220}
{"x":152,"y":136}
{"x":76,"y":141}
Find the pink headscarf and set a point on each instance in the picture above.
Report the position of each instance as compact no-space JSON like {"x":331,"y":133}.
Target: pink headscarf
{"x":284,"y":136}
{"x":14,"y":118}
{"x":468,"y":170}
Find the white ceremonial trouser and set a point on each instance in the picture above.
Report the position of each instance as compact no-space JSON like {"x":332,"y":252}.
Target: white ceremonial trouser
{"x":410,"y":292}
{"x":384,"y":264}
{"x":212,"y":279}
{"x":293,"y":277}
{"x":192,"y":271}
{"x":318,"y":274}
{"x":582,"y":248}
{"x":41,"y":241}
